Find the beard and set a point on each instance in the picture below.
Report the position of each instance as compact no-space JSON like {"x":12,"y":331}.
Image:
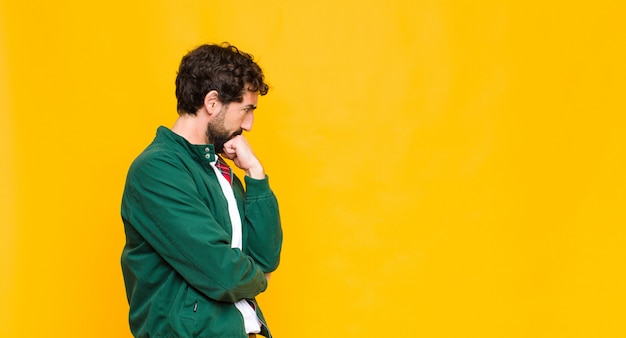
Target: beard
{"x":218,"y":135}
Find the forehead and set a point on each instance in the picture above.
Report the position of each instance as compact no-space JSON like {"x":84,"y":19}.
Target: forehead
{"x":250,"y":98}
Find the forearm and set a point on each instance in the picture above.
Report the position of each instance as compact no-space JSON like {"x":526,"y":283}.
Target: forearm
{"x":263,"y":225}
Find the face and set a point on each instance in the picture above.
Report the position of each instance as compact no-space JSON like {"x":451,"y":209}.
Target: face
{"x":232,"y":120}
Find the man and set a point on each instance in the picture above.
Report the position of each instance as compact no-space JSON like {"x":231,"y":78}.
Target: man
{"x":199,"y":247}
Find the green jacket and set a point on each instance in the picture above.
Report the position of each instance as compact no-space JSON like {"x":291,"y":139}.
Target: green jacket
{"x":182,"y":277}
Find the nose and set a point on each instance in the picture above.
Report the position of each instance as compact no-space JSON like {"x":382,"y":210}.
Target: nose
{"x":247,"y":122}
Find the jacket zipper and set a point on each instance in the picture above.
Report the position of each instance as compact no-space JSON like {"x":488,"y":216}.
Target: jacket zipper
{"x":259,"y":318}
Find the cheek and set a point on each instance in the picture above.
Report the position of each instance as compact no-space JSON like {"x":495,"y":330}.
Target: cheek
{"x":235,"y":121}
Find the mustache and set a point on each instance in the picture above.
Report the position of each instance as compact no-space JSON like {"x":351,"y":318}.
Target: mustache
{"x":237,"y":133}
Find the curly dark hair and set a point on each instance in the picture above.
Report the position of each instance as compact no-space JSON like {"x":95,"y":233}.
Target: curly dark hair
{"x":222,"y":68}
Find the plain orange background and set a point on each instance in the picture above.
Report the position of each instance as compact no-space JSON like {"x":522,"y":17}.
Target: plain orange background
{"x":445,"y":168}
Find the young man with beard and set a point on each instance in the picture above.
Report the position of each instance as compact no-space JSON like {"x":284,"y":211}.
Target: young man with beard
{"x":200,"y":247}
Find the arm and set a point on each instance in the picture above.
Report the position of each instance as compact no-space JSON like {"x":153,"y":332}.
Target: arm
{"x":262,"y":225}
{"x":262,"y":228}
{"x":173,"y":219}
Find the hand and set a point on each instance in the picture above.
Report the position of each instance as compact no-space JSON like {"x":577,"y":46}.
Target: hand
{"x":239,"y":151}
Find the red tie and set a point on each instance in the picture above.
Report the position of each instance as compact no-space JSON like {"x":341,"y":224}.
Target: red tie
{"x":225,"y":169}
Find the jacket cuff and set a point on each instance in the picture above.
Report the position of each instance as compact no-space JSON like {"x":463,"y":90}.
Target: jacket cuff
{"x":256,"y":187}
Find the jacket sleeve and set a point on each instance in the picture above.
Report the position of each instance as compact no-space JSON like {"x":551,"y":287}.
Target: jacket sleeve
{"x":262,"y":227}
{"x":171,"y":217}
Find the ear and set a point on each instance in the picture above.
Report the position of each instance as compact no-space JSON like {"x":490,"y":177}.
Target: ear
{"x":212,"y":103}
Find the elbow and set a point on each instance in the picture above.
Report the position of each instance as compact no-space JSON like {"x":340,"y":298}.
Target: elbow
{"x":269,"y":263}
{"x":238,"y":290}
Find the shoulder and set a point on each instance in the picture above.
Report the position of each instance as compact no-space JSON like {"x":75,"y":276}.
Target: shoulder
{"x":159,"y":160}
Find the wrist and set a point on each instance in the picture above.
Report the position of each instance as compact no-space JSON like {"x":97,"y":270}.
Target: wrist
{"x":256,"y":172}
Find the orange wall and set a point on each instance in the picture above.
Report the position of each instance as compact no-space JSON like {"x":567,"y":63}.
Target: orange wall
{"x":445,"y":169}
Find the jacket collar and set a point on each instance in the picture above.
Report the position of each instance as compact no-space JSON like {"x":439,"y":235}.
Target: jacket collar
{"x":202,"y":153}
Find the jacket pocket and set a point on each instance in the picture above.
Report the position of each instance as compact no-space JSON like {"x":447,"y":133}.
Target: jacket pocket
{"x":191,"y":302}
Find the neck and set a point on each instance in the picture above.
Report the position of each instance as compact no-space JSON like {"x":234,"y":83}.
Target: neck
{"x":192,"y":127}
